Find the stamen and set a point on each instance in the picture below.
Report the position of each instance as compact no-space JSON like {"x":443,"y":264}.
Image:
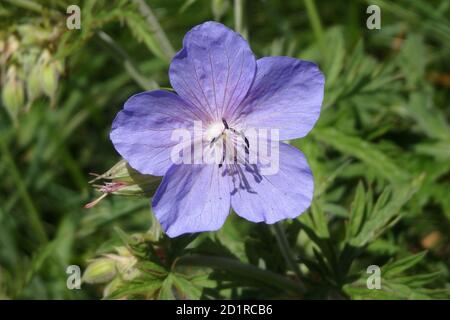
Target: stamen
{"x":225,"y":124}
{"x":229,"y":137}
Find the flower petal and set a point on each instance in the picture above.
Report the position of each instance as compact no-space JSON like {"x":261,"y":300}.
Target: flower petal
{"x":192,"y":198}
{"x":142,"y":131}
{"x":287,"y":95}
{"x":214,"y":70}
{"x":271,"y":198}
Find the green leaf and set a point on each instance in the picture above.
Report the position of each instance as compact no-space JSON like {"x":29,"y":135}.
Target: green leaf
{"x":317,"y":221}
{"x":233,"y":235}
{"x":429,"y":119}
{"x":141,"y":31}
{"x":401,"y":265}
{"x":364,"y":151}
{"x":136,"y":287}
{"x":357,"y":211}
{"x":419,"y":280}
{"x":334,"y":59}
{"x":166,"y":292}
{"x":385,"y":211}
{"x":440,"y":150}
{"x":151,"y":268}
{"x":186,"y":289}
{"x":203,"y":281}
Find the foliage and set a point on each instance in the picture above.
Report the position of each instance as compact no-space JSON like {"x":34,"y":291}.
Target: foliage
{"x":380,"y":154}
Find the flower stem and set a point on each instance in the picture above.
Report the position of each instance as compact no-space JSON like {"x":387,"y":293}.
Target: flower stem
{"x":316,"y":24}
{"x":286,"y":251}
{"x":33,"y":6}
{"x":147,"y":12}
{"x":128,"y":64}
{"x":27,"y":4}
{"x":234,"y":266}
{"x":238,"y":11}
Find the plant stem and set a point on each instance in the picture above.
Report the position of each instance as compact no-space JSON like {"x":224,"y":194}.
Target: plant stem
{"x":238,"y":16}
{"x":32,"y":6}
{"x":30,"y":208}
{"x":286,"y":251}
{"x":316,"y":24}
{"x":127,"y":62}
{"x":147,"y":12}
{"x":238,"y":9}
{"x":234,"y":266}
{"x":27,"y":4}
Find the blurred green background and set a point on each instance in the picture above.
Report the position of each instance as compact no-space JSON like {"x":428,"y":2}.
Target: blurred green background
{"x":380,"y":154}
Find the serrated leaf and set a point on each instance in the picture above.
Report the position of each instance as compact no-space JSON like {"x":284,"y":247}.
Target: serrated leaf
{"x":151,"y":268}
{"x":429,"y":119}
{"x":364,"y":151}
{"x":357,"y":211}
{"x":203,"y":281}
{"x":419,"y":280}
{"x":401,"y":265}
{"x":320,"y":221}
{"x":141,"y":31}
{"x":334,"y":59}
{"x":385,"y":212}
{"x":166,"y":291}
{"x":185,"y":288}
{"x":136,"y":287}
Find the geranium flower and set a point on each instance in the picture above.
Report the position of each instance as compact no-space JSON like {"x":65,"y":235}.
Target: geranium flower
{"x":219,"y":83}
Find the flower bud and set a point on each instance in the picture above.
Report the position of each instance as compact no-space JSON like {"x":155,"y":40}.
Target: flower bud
{"x":121,"y":179}
{"x":11,"y":46}
{"x":49,"y":73}
{"x":34,"y":89}
{"x":49,"y":80}
{"x":13,"y":93}
{"x":100,"y":271}
{"x":126,"y":265}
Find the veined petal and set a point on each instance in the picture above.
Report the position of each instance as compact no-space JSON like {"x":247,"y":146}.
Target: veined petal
{"x":286,"y":95}
{"x":271,"y":198}
{"x":192,"y":198}
{"x":214,"y":70}
{"x":142,"y":131}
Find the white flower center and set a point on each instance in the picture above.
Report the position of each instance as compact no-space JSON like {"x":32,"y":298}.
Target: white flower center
{"x":214,"y":130}
{"x":226,"y":144}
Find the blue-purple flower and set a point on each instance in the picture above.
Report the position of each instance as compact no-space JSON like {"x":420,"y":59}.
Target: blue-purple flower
{"x":220,"y":83}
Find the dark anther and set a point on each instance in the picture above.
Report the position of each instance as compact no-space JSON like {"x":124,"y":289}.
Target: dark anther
{"x":247,"y":145}
{"x":225,"y":124}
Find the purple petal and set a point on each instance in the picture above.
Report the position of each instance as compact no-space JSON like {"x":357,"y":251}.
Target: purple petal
{"x":287,"y":95}
{"x":275,"y":197}
{"x":214,"y":70}
{"x":192,"y":198}
{"x":142,"y":131}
